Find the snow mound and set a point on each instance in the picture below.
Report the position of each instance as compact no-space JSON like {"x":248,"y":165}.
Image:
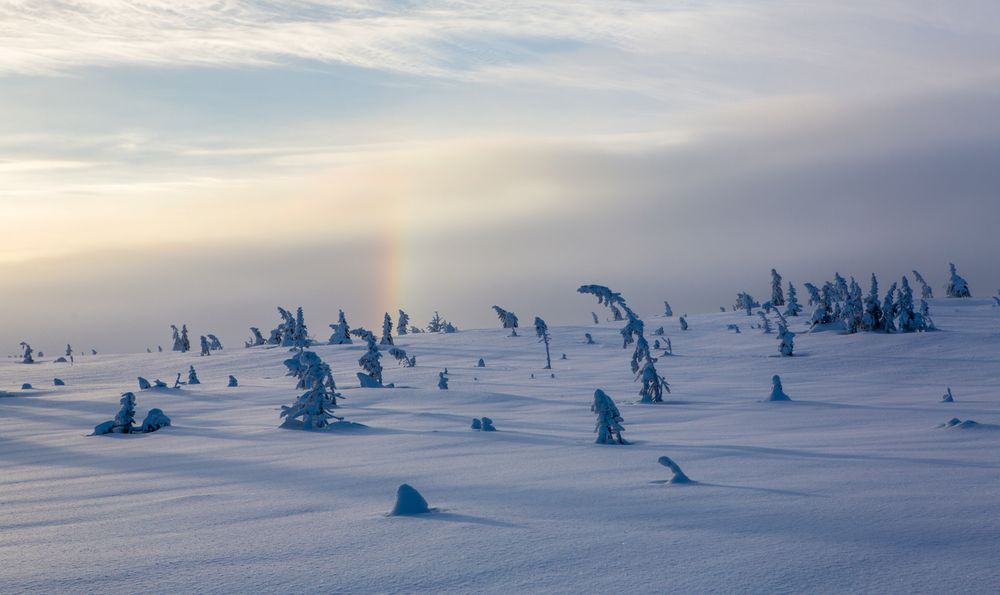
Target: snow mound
{"x":409,"y":501}
{"x":955,"y":423}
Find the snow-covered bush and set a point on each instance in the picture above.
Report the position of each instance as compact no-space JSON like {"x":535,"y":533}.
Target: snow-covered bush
{"x":488,"y":425}
{"x":734,"y":327}
{"x":684,"y":323}
{"x":341,"y":331}
{"x":214,"y":343}
{"x":777,"y":298}
{"x":155,"y":420}
{"x":609,"y":419}
{"x":193,"y":376}
{"x":144,"y":384}
{"x":178,"y":343}
{"x":679,"y":476}
{"x":26,"y":353}
{"x":477,"y":424}
{"x":787,"y":338}
{"x":594,"y":316}
{"x":386,"y":331}
{"x":508,"y":320}
{"x":667,"y":310}
{"x":58,"y":382}
{"x":590,"y":339}
{"x":402,"y":323}
{"x":948,"y":397}
{"x":124,"y":421}
{"x":957,"y":287}
{"x":777,"y":392}
{"x":233,"y":383}
{"x":542,"y":332}
{"x":814,"y":297}
{"x":443,"y":380}
{"x":205,"y":350}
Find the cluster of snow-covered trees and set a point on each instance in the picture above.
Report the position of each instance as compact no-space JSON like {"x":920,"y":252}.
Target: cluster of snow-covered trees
{"x":843,"y":305}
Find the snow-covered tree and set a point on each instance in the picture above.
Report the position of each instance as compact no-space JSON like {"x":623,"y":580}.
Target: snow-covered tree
{"x":185,"y":341}
{"x":669,"y":350}
{"x":436,"y":325}
{"x":144,"y":384}
{"x":889,"y":310}
{"x":854,"y":310}
{"x":449,"y":328}
{"x":443,"y":380}
{"x":386,"y":331}
{"x":284,"y":333}
{"x":814,"y":297}
{"x":667,"y":310}
{"x":255,"y":337}
{"x":653,"y":384}
{"x":765,"y":323}
{"x":507,"y":319}
{"x":193,"y":376}
{"x":609,"y":419}
{"x":26,"y":353}
{"x":178,"y":342}
{"x":312,"y":408}
{"x":125,"y":418}
{"x":205,"y":350}
{"x":590,"y":339}
{"x":233,"y":383}
{"x":542,"y":332}
{"x":745,"y":301}
{"x":214,"y":343}
{"x":926,"y":293}
{"x":594,"y":316}
{"x":777,"y":392}
{"x":948,"y":397}
{"x":370,"y":362}
{"x":300,"y":333}
{"x":793,"y":307}
{"x":733,"y":327}
{"x":957,"y":287}
{"x":925,"y":316}
{"x":341,"y":332}
{"x":787,"y":345}
{"x":871,"y":320}
{"x":402,"y":323}
{"x":909,"y":321}
{"x":401,"y":357}
{"x":684,"y":323}
{"x":777,"y":298}
{"x":69,"y":350}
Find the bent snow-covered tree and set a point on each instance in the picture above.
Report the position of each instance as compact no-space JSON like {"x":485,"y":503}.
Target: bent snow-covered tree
{"x":341,"y":331}
{"x":507,"y":319}
{"x":214,"y":343}
{"x":926,"y":293}
{"x":312,"y":408}
{"x":609,"y":420}
{"x":401,"y":357}
{"x":777,"y":298}
{"x":178,"y":343}
{"x":255,"y":337}
{"x":667,"y":310}
{"x":402,"y":323}
{"x":745,"y":302}
{"x":542,"y":332}
{"x":957,"y":287}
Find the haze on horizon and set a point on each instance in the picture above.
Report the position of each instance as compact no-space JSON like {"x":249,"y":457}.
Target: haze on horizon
{"x":202,"y":162}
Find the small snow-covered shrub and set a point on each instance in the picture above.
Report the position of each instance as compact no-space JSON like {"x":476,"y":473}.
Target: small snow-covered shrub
{"x":155,"y":420}
{"x":144,"y":384}
{"x":684,"y":323}
{"x":370,"y":362}
{"x":957,"y":286}
{"x":443,"y":380}
{"x":26,"y":353}
{"x":608,"y":428}
{"x":233,"y":383}
{"x":193,"y":376}
{"x":58,"y":382}
{"x":787,"y":338}
{"x":679,"y":476}
{"x":777,"y":392}
{"x":341,"y":331}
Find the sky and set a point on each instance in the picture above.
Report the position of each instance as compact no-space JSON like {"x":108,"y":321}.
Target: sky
{"x":201,"y":162}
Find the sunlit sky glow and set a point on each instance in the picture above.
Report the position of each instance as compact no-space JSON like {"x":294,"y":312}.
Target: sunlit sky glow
{"x":201,"y":162}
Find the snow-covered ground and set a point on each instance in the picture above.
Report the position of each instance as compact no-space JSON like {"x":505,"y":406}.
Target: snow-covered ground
{"x":850,"y":487}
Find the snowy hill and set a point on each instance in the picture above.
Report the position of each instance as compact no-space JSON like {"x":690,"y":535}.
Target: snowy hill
{"x":851,"y":486}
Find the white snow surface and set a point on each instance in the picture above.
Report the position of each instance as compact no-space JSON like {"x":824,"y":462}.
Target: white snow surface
{"x":851,"y":487}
